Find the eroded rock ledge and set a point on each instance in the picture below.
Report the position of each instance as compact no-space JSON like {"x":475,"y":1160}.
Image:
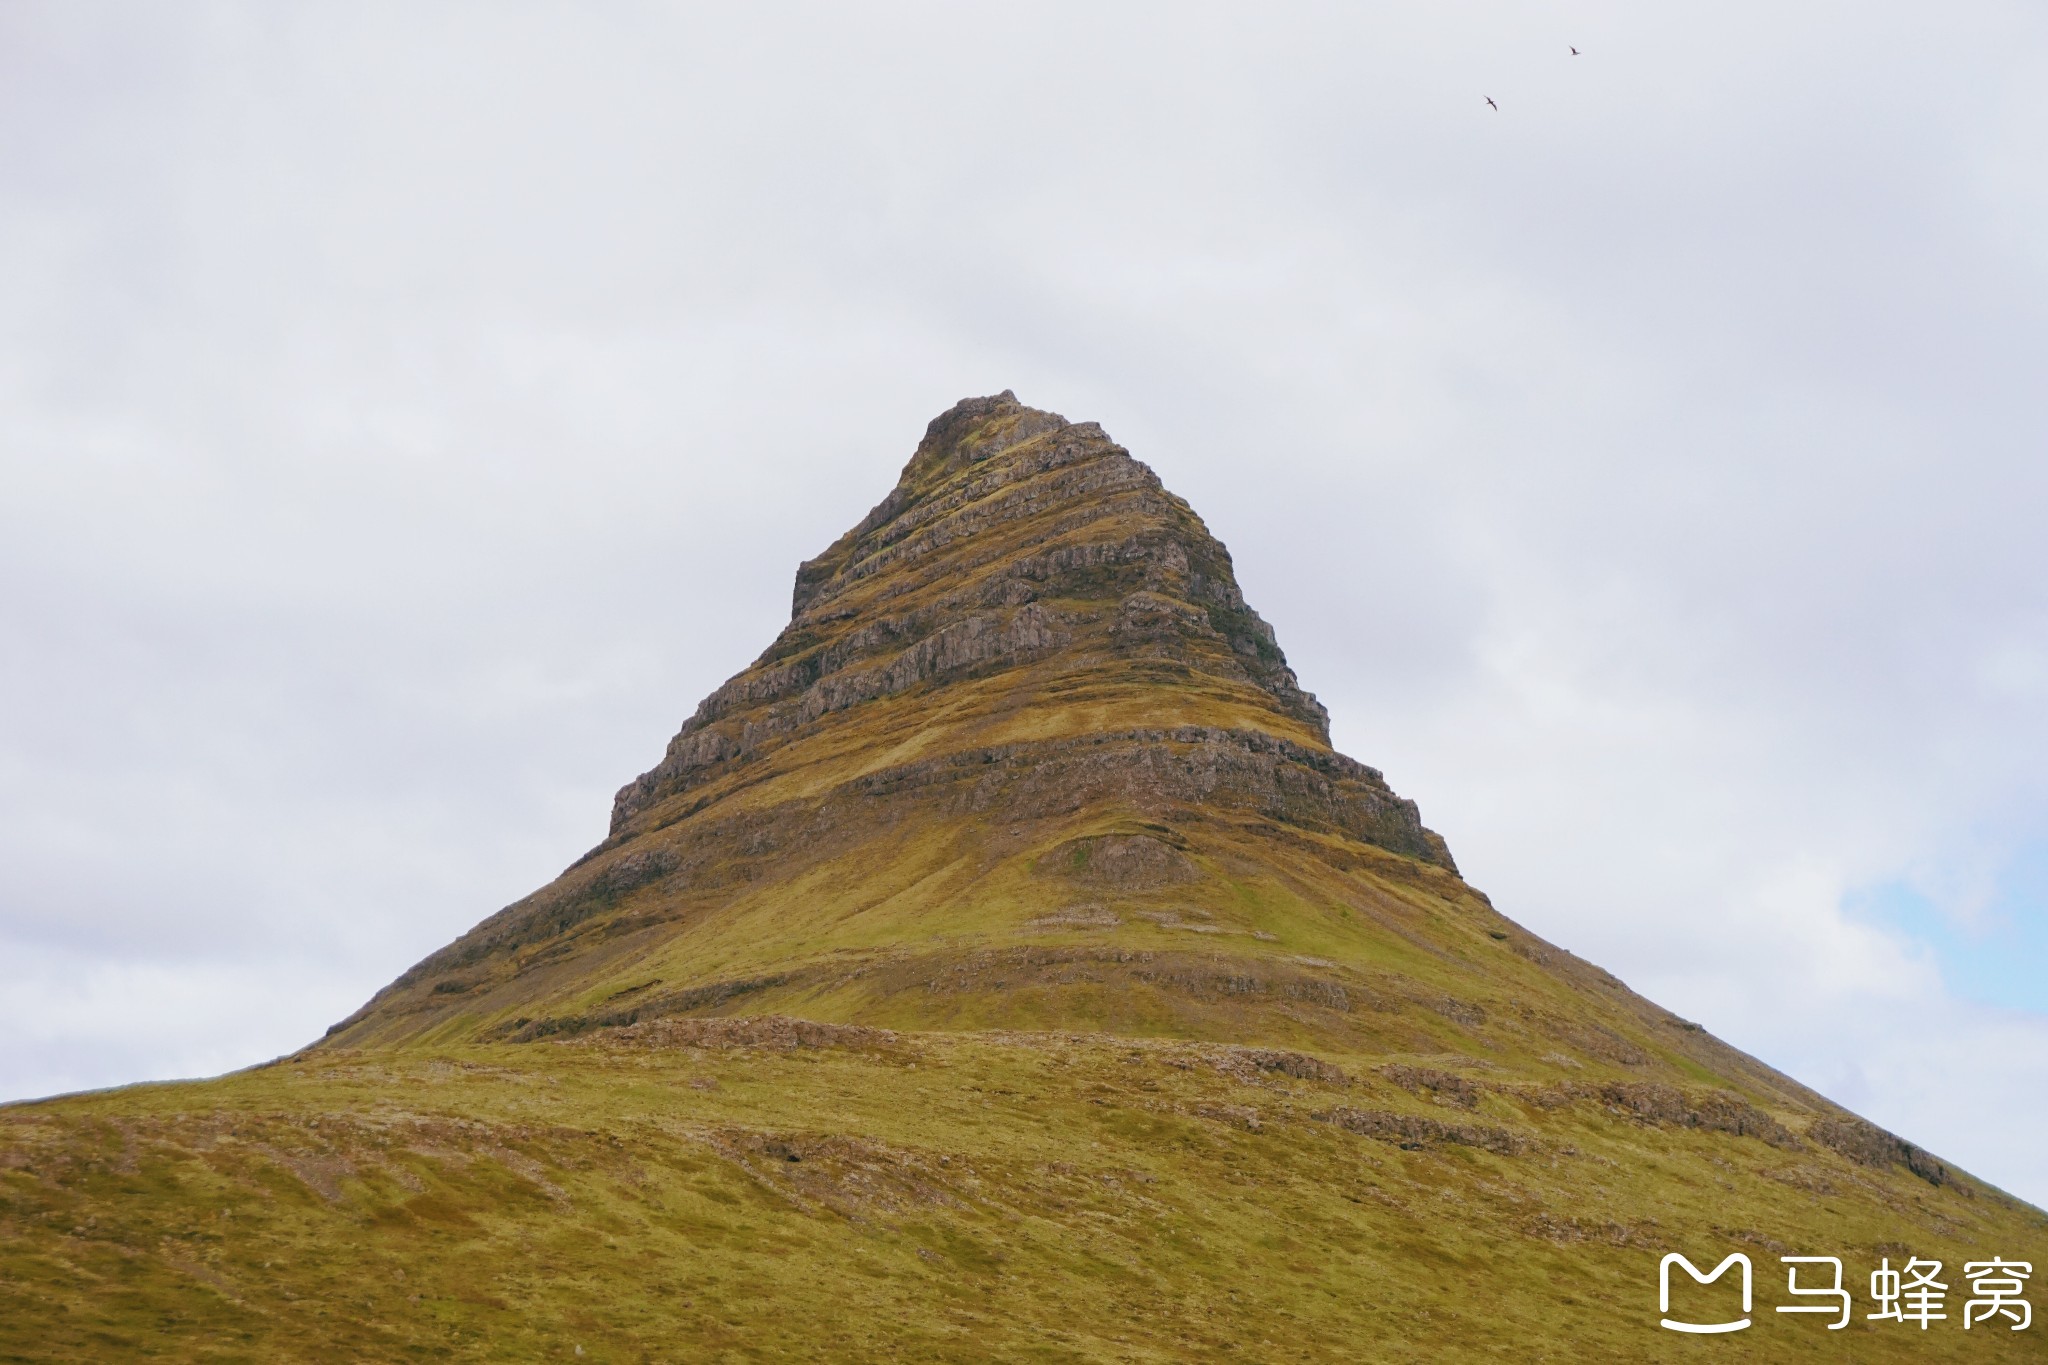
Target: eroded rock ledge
{"x":1012,"y":537}
{"x":1184,"y":775}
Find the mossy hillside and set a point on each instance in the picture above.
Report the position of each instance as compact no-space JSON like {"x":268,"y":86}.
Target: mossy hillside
{"x":1310,"y":940}
{"x":950,"y":1197}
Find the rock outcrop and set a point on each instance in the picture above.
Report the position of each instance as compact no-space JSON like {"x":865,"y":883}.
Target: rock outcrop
{"x":1013,"y":537}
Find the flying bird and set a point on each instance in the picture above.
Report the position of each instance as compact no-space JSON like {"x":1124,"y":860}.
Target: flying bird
{"x":1575,"y":52}
{"x":1496,"y":107}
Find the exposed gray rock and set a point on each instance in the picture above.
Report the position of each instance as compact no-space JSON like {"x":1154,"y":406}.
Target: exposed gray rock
{"x":1125,"y":862}
{"x":1418,"y":1131}
{"x":1111,"y":535}
{"x":1869,"y":1145}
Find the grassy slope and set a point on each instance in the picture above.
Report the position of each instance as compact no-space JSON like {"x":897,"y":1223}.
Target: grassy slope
{"x":980,"y":1195}
{"x":1004,"y":1196}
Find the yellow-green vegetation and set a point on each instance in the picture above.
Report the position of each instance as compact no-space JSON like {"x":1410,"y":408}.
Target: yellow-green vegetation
{"x":726,"y":1190}
{"x":1003,"y":967}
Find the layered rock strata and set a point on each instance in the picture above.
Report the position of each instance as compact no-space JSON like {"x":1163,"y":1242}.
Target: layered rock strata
{"x":1014,"y":538}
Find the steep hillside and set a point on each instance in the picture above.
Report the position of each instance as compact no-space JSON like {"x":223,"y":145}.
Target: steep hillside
{"x":1003,"y":966}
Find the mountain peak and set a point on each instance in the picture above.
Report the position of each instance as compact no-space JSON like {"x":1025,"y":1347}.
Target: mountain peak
{"x":1029,"y":629}
{"x":1014,"y":540}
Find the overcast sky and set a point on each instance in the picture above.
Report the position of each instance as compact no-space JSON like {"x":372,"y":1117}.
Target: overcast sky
{"x":407,"y":412}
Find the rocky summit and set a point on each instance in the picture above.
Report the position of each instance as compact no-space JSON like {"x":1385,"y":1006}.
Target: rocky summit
{"x":1023,"y":756}
{"x":1003,"y":966}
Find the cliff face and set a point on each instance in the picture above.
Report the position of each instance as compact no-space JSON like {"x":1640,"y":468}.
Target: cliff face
{"x":1002,"y":967}
{"x":1014,"y":541}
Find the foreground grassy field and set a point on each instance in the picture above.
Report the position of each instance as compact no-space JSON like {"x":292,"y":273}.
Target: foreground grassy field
{"x":729,"y":1190}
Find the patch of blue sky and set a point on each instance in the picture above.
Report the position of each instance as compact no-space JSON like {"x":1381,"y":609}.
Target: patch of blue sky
{"x":1996,"y":956}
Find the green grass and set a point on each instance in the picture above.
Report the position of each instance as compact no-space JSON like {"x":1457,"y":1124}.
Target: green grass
{"x":957,"y":1197}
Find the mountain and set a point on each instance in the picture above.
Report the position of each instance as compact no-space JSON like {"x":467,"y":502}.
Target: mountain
{"x":1002,"y":966}
{"x":1022,"y":756}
